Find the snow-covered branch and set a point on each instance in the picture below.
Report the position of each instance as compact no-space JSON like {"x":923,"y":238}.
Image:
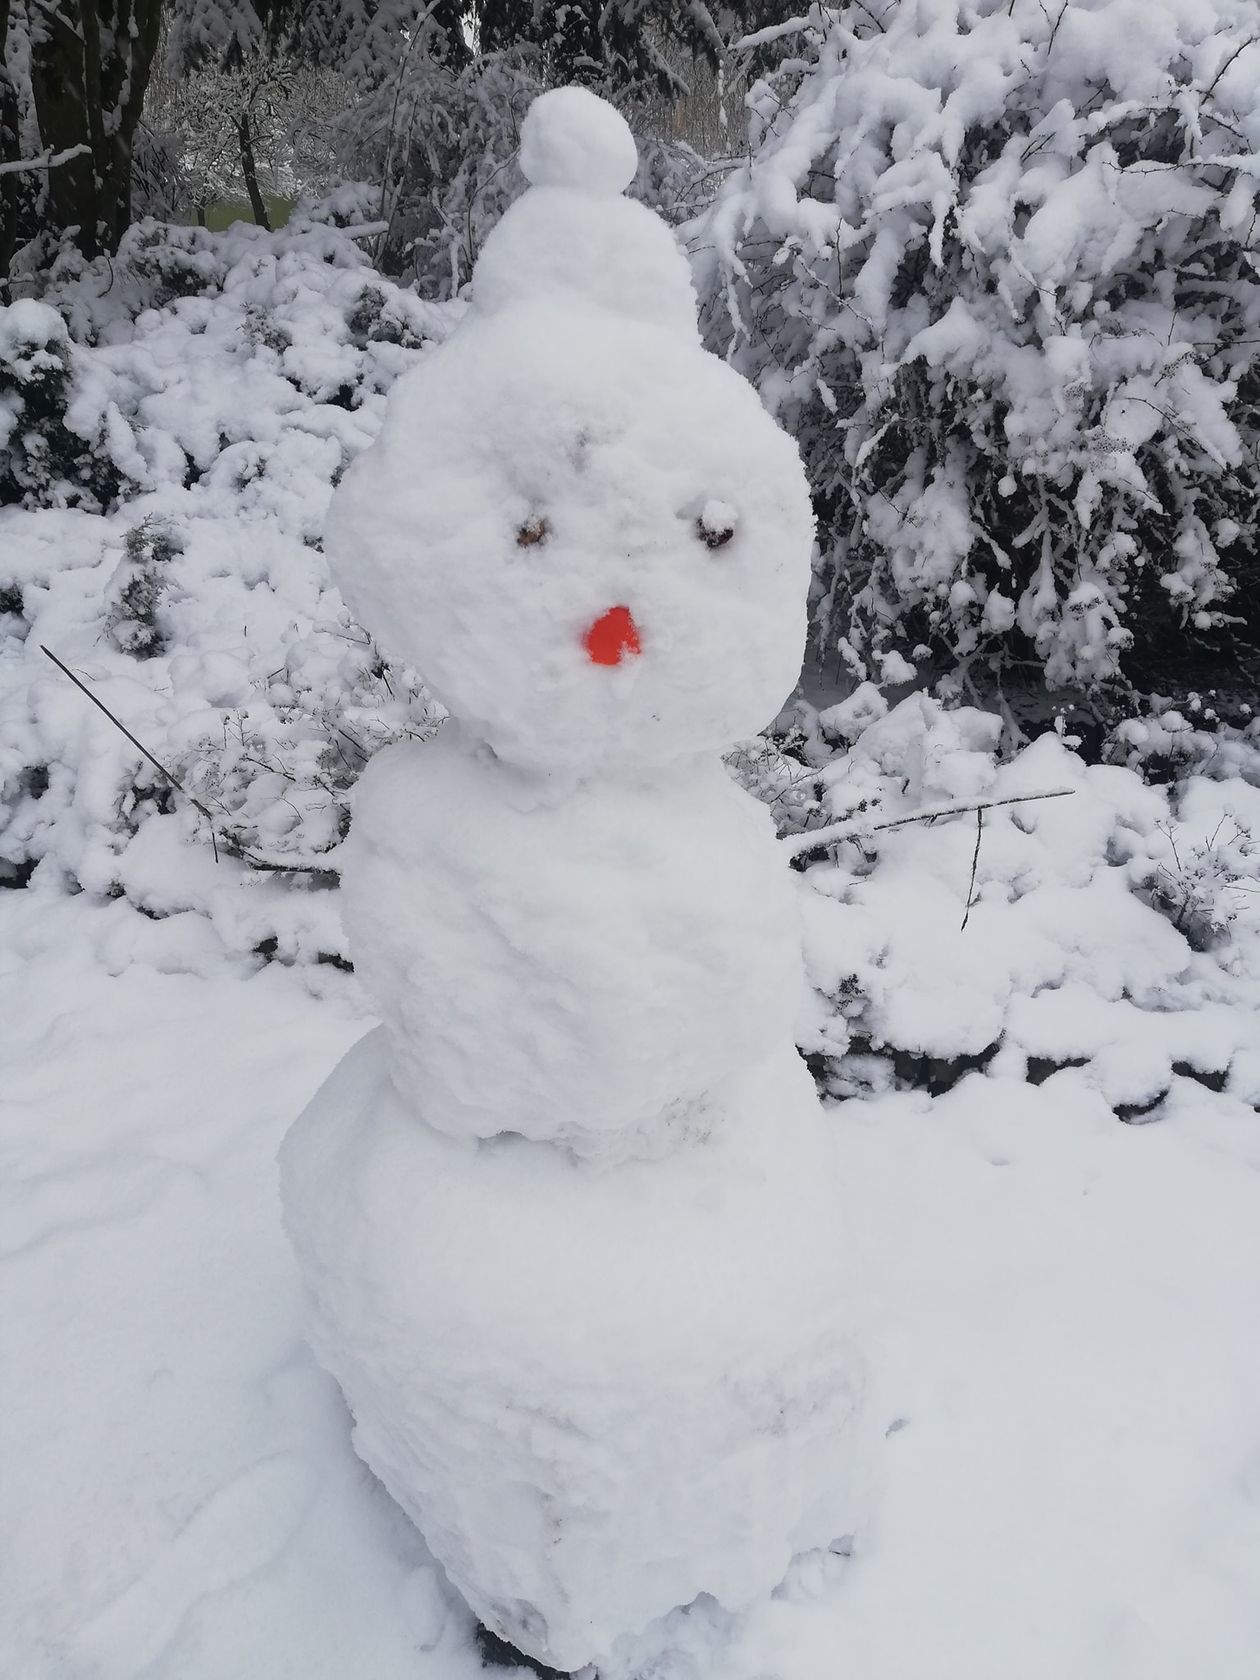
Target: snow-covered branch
{"x":858,"y":828}
{"x":46,"y":160}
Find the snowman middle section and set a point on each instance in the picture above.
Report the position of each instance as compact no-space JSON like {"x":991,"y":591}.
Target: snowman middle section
{"x":584,"y":964}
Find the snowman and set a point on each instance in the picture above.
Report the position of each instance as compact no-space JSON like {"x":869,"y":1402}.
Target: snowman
{"x":566,"y":1219}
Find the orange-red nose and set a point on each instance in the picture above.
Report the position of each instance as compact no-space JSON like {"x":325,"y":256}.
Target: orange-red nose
{"x":612,"y":637}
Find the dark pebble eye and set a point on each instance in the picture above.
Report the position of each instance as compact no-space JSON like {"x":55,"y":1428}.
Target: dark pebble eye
{"x":715,"y":525}
{"x":532,"y":532}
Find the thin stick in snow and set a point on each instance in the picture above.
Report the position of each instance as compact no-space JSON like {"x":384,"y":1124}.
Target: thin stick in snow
{"x":236,"y":847}
{"x":975,"y":864}
{"x":138,"y":745}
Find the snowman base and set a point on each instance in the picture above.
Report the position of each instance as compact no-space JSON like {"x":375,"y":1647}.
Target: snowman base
{"x":599,"y":1390}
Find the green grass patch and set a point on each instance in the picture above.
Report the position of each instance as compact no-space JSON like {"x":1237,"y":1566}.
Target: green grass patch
{"x":229,"y":210}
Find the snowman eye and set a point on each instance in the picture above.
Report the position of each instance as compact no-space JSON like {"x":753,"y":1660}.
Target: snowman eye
{"x":715,"y":524}
{"x":532,"y":532}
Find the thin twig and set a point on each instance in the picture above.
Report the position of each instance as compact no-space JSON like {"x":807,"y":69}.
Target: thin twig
{"x":975,"y":863}
{"x":812,"y":840}
{"x":138,"y":745}
{"x":233,"y":842}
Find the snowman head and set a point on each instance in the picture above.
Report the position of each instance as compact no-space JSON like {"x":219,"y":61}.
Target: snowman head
{"x":583,"y":530}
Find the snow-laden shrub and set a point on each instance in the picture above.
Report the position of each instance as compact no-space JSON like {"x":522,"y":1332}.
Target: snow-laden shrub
{"x":240,"y":373}
{"x":52,"y":452}
{"x":993,"y":263}
{"x":1199,"y":886}
{"x":1167,"y":743}
{"x":138,"y":587}
{"x":194,"y":354}
{"x":1108,"y":937}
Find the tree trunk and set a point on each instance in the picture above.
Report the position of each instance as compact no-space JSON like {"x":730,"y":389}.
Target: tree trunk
{"x":89,"y":69}
{"x":10,"y":152}
{"x":249,"y":169}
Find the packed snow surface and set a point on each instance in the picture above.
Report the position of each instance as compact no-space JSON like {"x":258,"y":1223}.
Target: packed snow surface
{"x":1065,"y":1374}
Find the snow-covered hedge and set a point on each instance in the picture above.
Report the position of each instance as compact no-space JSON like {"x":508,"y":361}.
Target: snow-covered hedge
{"x":171,"y":427}
{"x":993,"y":263}
{"x":1111,"y":935}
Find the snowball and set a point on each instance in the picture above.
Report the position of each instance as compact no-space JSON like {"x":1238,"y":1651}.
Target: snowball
{"x":572,"y":138}
{"x":597,"y":1394}
{"x":543,"y":467}
{"x":565,"y":250}
{"x":578,"y":968}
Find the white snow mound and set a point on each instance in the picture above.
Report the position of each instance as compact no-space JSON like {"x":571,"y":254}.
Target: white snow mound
{"x":597,"y":1393}
{"x":572,"y":138}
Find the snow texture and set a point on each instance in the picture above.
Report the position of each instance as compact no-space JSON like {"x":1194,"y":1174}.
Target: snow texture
{"x":1060,"y":1307}
{"x":570,"y":138}
{"x":599,"y":1394}
{"x":631,"y":939}
{"x":579,"y":1280}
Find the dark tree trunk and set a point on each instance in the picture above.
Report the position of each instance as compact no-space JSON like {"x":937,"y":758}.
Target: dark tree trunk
{"x":249,"y":169}
{"x":10,"y":153}
{"x":89,"y":69}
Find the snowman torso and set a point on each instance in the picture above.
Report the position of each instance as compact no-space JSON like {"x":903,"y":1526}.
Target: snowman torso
{"x":564,"y":1219}
{"x":579,"y":964}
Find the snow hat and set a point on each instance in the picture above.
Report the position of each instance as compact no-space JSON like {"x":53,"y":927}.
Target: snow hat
{"x":572,"y":238}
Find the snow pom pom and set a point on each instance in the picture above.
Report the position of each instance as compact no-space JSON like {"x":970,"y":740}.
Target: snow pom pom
{"x":571,"y":138}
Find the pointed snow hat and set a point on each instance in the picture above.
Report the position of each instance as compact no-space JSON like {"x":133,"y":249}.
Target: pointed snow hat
{"x":573,"y":240}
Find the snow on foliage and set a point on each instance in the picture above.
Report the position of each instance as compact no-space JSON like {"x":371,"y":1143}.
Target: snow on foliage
{"x":1110,"y":934}
{"x":994,"y":265}
{"x":171,"y":467}
{"x":443,"y":142}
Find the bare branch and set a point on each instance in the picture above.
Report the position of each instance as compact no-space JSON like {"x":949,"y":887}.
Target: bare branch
{"x":233,"y":843}
{"x":975,"y":864}
{"x":797,"y":845}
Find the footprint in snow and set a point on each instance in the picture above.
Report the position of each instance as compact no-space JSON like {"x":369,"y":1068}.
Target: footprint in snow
{"x":238,"y":1532}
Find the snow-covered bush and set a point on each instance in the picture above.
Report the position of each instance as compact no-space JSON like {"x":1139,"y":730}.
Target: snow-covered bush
{"x":1112,"y":933}
{"x":1166,"y":743}
{"x":138,"y":587}
{"x":993,"y":262}
{"x":1200,"y":883}
{"x":52,"y":452}
{"x":231,"y":378}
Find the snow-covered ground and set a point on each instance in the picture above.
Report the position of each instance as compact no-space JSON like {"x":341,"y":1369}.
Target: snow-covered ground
{"x":1063,"y":1342}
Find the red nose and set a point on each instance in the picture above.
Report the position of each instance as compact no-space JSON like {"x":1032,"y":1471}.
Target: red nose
{"x":612,"y":637}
